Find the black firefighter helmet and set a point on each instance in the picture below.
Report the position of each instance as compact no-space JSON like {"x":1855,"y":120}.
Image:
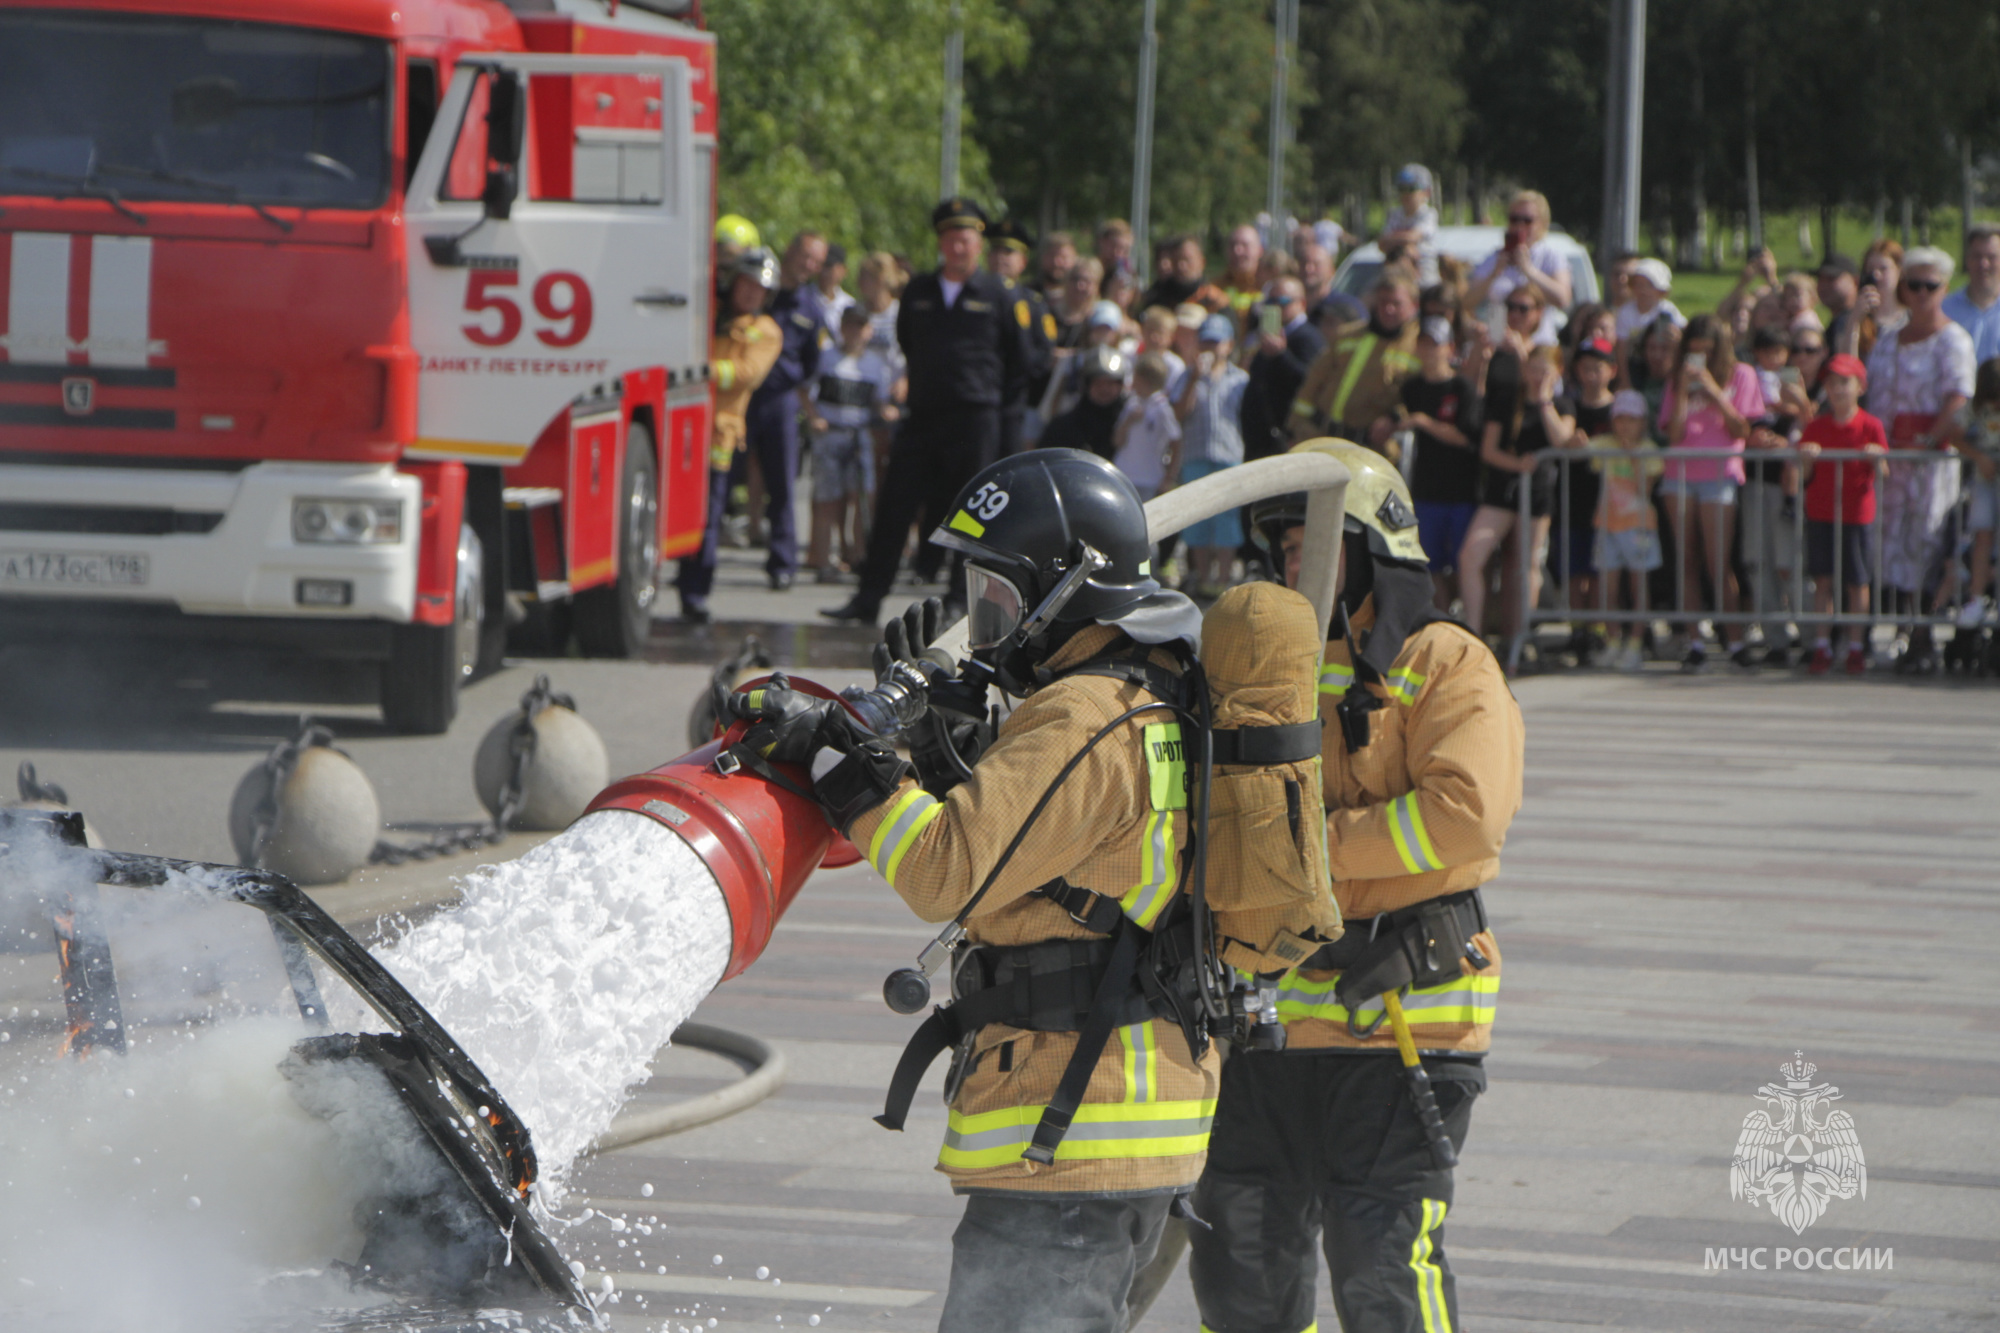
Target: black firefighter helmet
{"x":1055,"y":539}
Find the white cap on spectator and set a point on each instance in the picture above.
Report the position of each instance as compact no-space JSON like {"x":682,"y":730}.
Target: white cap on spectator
{"x":1656,"y":272}
{"x":1930,"y":257}
{"x":1630,"y":403}
{"x":1106,"y":315}
{"x":1190,"y":315}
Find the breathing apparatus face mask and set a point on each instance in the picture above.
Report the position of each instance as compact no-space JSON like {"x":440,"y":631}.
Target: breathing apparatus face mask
{"x":994,"y":608}
{"x":997,"y":613}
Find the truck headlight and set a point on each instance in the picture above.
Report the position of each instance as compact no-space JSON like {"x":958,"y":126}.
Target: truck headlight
{"x":347,"y":522}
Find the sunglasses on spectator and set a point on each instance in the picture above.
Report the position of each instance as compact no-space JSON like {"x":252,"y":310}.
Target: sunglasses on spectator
{"x":1521,"y":220}
{"x":1912,"y":284}
{"x":1808,"y":349}
{"x":1522,"y":307}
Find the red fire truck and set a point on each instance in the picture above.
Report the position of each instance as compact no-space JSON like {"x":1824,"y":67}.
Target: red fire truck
{"x":368,"y":328}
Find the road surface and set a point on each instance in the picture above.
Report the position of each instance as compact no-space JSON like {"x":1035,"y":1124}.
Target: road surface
{"x":1710,"y":874}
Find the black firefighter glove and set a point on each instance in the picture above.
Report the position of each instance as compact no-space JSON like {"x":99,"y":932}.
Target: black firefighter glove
{"x":907,"y":635}
{"x":944,"y":743}
{"x":853,"y":770}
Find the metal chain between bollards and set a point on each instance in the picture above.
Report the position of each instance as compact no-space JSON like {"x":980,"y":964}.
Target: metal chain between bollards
{"x":471,"y":837}
{"x":278,"y":766}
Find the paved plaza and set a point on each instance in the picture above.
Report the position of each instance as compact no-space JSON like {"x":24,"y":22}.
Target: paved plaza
{"x":1711,"y":874}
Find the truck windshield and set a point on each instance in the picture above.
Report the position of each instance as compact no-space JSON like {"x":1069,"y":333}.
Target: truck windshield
{"x":123,"y":106}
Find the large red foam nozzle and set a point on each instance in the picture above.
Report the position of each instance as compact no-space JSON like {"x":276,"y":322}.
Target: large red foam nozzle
{"x":760,"y":839}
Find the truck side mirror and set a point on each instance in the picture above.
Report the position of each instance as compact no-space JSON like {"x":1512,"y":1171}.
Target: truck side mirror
{"x":506,"y":134}
{"x":506,"y":118}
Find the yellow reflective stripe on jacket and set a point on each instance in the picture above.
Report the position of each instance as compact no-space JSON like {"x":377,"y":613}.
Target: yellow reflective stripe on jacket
{"x":1101,"y":1130}
{"x":725,"y":375}
{"x":1412,"y":839}
{"x":1404,"y":683}
{"x":1142,"y":1062}
{"x":1469,"y":999}
{"x":1144,"y":901}
{"x":1430,"y":1278}
{"x":1356,"y":363}
{"x":907,"y":817}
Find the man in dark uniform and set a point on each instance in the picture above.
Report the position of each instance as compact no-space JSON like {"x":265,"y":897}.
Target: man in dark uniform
{"x":773,"y":416}
{"x":966,"y":355}
{"x":1009,"y":246}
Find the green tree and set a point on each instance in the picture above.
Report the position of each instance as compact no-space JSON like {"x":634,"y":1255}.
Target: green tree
{"x":1058,"y":131}
{"x":1534,"y":74}
{"x":1382,"y":86}
{"x":831,"y":116}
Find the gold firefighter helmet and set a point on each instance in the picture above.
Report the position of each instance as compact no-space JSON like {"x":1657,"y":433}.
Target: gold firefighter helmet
{"x":1378,"y":503}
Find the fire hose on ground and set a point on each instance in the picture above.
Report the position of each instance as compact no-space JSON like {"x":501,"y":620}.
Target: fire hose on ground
{"x":763,"y":1068}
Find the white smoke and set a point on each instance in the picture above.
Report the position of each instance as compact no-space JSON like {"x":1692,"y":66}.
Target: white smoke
{"x":185,"y":1185}
{"x":162,"y":1189}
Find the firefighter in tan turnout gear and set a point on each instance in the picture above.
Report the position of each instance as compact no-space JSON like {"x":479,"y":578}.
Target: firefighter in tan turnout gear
{"x":1081,"y":1088}
{"x":1422,"y":758}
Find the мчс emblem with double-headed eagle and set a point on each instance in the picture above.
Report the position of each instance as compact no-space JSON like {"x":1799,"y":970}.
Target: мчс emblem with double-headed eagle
{"x":1798,"y":1152}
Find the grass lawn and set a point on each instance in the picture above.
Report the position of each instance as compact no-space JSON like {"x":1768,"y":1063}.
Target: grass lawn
{"x":1698,"y":293}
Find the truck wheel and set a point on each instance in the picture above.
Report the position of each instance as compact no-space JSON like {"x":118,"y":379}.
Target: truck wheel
{"x":428,"y":664}
{"x":614,"y":621}
{"x":420,"y":680}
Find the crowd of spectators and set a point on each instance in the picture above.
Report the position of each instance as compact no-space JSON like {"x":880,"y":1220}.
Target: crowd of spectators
{"x":1724,"y":479}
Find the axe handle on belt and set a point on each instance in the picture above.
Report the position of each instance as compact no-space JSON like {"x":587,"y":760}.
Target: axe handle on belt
{"x":1420,"y":1084}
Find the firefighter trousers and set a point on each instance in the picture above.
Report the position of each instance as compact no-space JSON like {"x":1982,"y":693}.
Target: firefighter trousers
{"x":1026,"y":1263}
{"x":696,"y":577}
{"x":772,"y":429}
{"x":1326,"y":1145}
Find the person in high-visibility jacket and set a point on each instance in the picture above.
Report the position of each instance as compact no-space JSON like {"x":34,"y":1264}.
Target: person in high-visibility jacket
{"x":1354,"y":387}
{"x":1422,"y":755}
{"x":1064,"y":1203}
{"x":744,"y":347}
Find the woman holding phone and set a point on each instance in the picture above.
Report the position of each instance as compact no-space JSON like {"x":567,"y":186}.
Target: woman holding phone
{"x":1525,"y":259}
{"x":1710,"y":403}
{"x":1522,"y":421}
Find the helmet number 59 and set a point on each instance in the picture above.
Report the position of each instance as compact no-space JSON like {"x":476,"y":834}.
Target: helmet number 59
{"x":987,"y":502}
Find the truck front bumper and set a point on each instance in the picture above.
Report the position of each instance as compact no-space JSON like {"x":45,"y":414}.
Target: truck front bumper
{"x":203,"y":543}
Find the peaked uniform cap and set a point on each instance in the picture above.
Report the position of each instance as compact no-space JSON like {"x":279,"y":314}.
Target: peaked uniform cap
{"x":958,"y":212}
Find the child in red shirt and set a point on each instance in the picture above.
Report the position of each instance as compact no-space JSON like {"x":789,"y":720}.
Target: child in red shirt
{"x":1840,"y":503}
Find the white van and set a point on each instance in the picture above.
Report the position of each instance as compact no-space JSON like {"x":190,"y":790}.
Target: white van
{"x":1470,"y":245}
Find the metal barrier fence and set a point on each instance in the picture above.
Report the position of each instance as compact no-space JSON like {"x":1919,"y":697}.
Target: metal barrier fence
{"x":1914,"y":548}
